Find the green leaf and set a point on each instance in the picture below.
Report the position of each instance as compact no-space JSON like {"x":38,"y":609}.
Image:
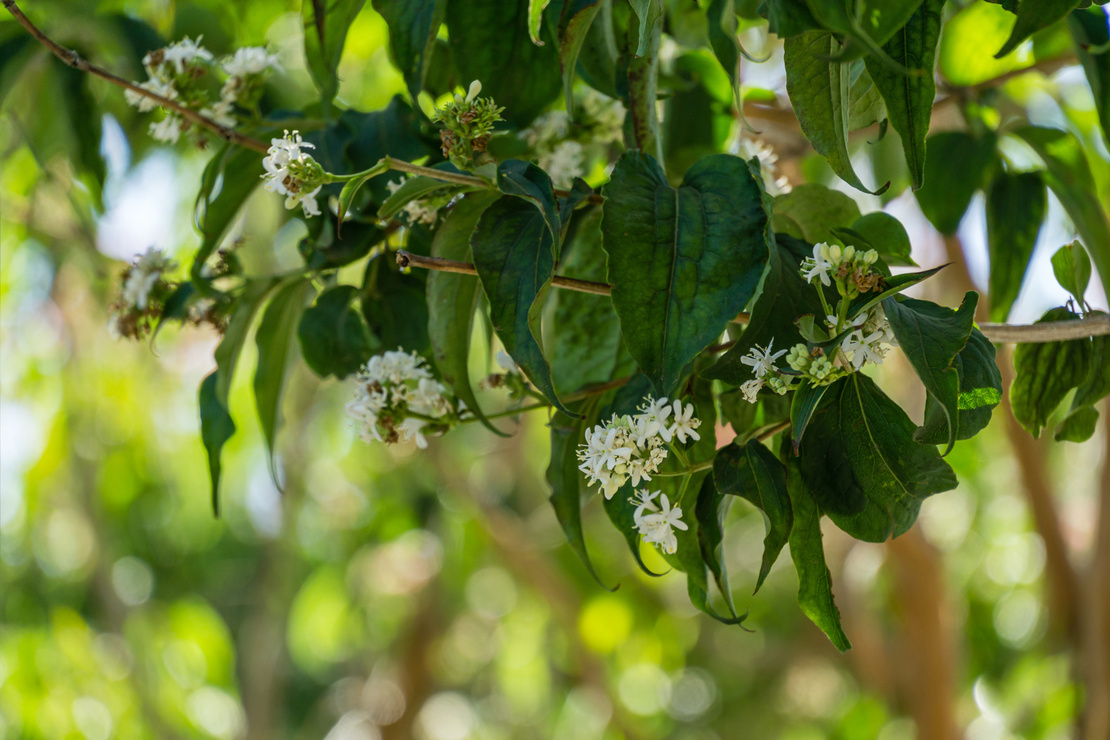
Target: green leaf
{"x":564,"y":479}
{"x":909,"y":98}
{"x":1079,"y":425}
{"x":683,"y":261}
{"x":273,"y":338}
{"x":650,"y":16}
{"x":642,"y":90}
{"x":755,"y":474}
{"x":526,"y":180}
{"x":535,"y":18}
{"x":1090,"y":30}
{"x":253,"y":295}
{"x":1080,"y":422}
{"x":866,"y":105}
{"x":956,"y":165}
{"x":513,"y":253}
{"x":490,"y":42}
{"x":575,"y":20}
{"x":1016,"y":207}
{"x":413,"y":25}
{"x":1072,"y":268}
{"x":599,"y":65}
{"x":697,"y":119}
{"x":1032,"y":16}
{"x":819,"y":91}
{"x":333,"y":335}
{"x":1044,"y":372}
{"x":807,"y":397}
{"x":352,"y":187}
{"x":725,"y":42}
{"x":787,"y":18}
{"x":815,"y":595}
{"x":395,"y":306}
{"x":363,"y":139}
{"x":415,"y":189}
{"x":690,"y":558}
{"x":324,"y":251}
{"x":811,"y":211}
{"x":862,"y":465}
{"x":785,"y":296}
{"x":216,"y":428}
{"x":325,"y":31}
{"x":931,"y":336}
{"x":709,"y":513}
{"x":239,"y":172}
{"x":453,"y":300}
{"x":980,"y":392}
{"x":1069,"y":176}
{"x":887,"y":236}
{"x":892,"y":285}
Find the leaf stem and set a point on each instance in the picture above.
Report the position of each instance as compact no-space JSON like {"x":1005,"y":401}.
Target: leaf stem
{"x":695,"y":468}
{"x":508,"y":412}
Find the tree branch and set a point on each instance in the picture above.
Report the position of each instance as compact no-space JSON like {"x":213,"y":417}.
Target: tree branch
{"x":1057,"y":331}
{"x":74,"y":60}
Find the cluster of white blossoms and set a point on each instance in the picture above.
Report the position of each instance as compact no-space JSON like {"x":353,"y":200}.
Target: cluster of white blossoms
{"x":143,"y":288}
{"x":293,"y":172}
{"x":180,"y":72}
{"x":632,"y":446}
{"x":418,"y":210}
{"x":850,"y":269}
{"x":398,"y":399}
{"x":774,"y":182}
{"x":656,"y":522}
{"x":561,"y":147}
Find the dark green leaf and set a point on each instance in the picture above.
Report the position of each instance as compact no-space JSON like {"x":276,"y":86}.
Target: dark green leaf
{"x":575,"y":21}
{"x":1090,"y":30}
{"x":1044,"y":372}
{"x":690,"y":559}
{"x":755,"y":474}
{"x":980,"y":392}
{"x":1080,"y":422}
{"x":361,"y":140}
{"x":216,"y":428}
{"x":526,"y":180}
{"x":866,"y":106}
{"x":815,"y":595}
{"x":931,"y":336}
{"x":909,"y":97}
{"x":807,"y":397}
{"x":453,"y":299}
{"x":819,"y":90}
{"x":323,"y":251}
{"x":862,"y":465}
{"x":956,"y":165}
{"x":513,"y":253}
{"x":1016,"y":206}
{"x":723,"y":38}
{"x":696,"y":122}
{"x":227,"y":353}
{"x":599,"y":65}
{"x":709,"y":513}
{"x":890,"y":286}
{"x":412,"y":33}
{"x":489,"y":42}
{"x":887,"y":236}
{"x":1032,"y":16}
{"x":325,"y":31}
{"x":238,"y":171}
{"x":395,"y":306}
{"x":1072,"y":268}
{"x":333,"y":335}
{"x":682,"y":261}
{"x":811,"y":211}
{"x":787,"y":18}
{"x":1078,"y":426}
{"x":273,"y":338}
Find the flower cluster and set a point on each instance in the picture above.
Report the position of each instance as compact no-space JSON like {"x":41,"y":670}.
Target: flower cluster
{"x":420,"y":210}
{"x":656,"y":522}
{"x":850,"y":268}
{"x":143,"y":291}
{"x":181,"y":72}
{"x":774,"y":182}
{"x":397,"y":398}
{"x":561,"y":148}
{"x":293,"y":173}
{"x":468,"y":125}
{"x":632,"y":446}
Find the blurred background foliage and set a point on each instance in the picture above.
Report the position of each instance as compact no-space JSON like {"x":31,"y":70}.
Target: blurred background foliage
{"x":393,"y":593}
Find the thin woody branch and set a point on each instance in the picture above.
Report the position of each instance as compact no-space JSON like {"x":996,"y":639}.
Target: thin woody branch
{"x":1058,"y":331}
{"x":74,"y":60}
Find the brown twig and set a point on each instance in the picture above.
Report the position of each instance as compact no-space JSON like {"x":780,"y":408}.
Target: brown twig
{"x":1057,"y":331}
{"x":74,"y":60}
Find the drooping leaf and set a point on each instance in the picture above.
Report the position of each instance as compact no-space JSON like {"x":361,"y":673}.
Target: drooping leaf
{"x":755,"y":474}
{"x":575,"y":20}
{"x":909,"y":97}
{"x":599,"y":65}
{"x":710,"y":511}
{"x":227,"y":353}
{"x":697,"y":119}
{"x":819,"y":91}
{"x":395,"y":306}
{"x":815,"y":595}
{"x":564,"y":479}
{"x":890,"y":286}
{"x":1069,"y":176}
{"x":326,"y":23}
{"x":865,"y":104}
{"x":239,"y":172}
{"x":931,"y":337}
{"x":412,"y":33}
{"x":1080,"y":422}
{"x":1044,"y":372}
{"x":690,"y":559}
{"x":811,"y":211}
{"x":725,"y":42}
{"x":526,"y":180}
{"x":1072,"y":268}
{"x":1032,"y":16}
{"x":535,"y":18}
{"x":862,"y":465}
{"x":807,"y":397}
{"x":273,"y":338}
{"x":1016,"y":206}
{"x":956,"y":165}
{"x":513,"y":253}
{"x":490,"y":42}
{"x":333,"y":334}
{"x":453,"y":299}
{"x":886,"y":235}
{"x":682,"y":261}
{"x":1090,"y":30}
{"x":649,"y":14}
{"x":216,"y":428}
{"x":980,"y":392}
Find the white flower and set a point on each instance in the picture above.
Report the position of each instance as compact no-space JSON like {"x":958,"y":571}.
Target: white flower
{"x":658,"y":526}
{"x":474,"y":91}
{"x":182,"y":53}
{"x":773,"y":182}
{"x":143,"y":276}
{"x":168,"y":129}
{"x":865,"y":343}
{"x":684,"y":423}
{"x":761,"y":361}
{"x":506,"y":362}
{"x":286,"y":166}
{"x":750,"y":389}
{"x":221,"y":113}
{"x":397,"y":399}
{"x":564,"y":163}
{"x":818,"y":266}
{"x":250,"y":60}
{"x":652,"y":420}
{"x":417,"y":210}
{"x":164,"y":88}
